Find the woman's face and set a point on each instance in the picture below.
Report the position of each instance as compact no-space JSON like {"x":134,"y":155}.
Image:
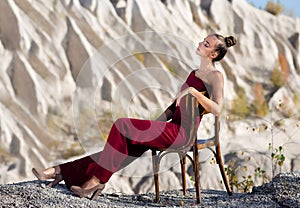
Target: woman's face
{"x":207,"y":46}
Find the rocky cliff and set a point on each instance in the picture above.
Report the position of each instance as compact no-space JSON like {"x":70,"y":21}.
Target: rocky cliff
{"x":69,"y":68}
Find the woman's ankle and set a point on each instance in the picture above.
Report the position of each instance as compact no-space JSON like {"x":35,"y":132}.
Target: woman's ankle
{"x":57,"y":169}
{"x":91,"y":182}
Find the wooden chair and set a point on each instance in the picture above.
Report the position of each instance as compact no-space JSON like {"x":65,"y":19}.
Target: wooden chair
{"x":193,"y":144}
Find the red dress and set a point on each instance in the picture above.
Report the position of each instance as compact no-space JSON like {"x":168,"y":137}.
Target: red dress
{"x":128,"y":139}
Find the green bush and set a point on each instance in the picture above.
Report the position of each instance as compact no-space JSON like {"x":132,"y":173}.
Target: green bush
{"x":278,"y":158}
{"x":245,"y":182}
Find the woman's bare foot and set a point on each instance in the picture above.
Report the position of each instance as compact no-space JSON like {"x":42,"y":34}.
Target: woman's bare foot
{"x":91,"y":183}
{"x":91,"y":187}
{"x":49,"y":173}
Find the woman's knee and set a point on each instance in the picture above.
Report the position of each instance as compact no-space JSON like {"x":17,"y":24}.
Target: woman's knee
{"x":121,"y":121}
{"x":121,"y":124}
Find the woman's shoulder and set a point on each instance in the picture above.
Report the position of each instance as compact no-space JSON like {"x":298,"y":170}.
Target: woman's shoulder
{"x":215,"y":76}
{"x":216,"y":72}
{"x":208,"y":73}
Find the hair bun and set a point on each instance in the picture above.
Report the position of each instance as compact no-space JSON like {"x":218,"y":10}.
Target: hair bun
{"x":230,"y":41}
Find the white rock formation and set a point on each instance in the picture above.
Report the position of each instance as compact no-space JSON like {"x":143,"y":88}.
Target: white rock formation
{"x":80,"y":60}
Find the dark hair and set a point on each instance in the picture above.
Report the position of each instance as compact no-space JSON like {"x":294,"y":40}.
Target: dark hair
{"x":225,"y":43}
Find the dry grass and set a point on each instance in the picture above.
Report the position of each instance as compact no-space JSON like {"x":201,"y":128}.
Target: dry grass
{"x":274,"y":8}
{"x":239,"y":106}
{"x":140,"y":57}
{"x":277,"y":78}
{"x":73,"y":150}
{"x":5,"y":156}
{"x":105,"y":122}
{"x":171,"y":68}
{"x":259,"y":104}
{"x":284,"y":65}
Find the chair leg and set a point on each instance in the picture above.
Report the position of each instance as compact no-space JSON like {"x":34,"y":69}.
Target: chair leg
{"x":155,"y":163}
{"x":222,"y":170}
{"x":197,"y":175}
{"x":183,"y":170}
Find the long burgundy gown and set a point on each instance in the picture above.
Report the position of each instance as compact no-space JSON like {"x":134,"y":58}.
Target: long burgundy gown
{"x":128,"y":139}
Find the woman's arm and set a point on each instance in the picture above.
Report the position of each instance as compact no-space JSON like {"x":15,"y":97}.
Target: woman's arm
{"x":213,"y":105}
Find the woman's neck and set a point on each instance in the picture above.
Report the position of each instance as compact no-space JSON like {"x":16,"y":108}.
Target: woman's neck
{"x":206,"y":64}
{"x":205,"y":67}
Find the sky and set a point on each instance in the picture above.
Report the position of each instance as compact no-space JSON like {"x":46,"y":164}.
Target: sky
{"x":288,"y":5}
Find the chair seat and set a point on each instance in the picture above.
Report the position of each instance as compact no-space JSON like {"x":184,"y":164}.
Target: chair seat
{"x":170,"y":149}
{"x":205,"y":143}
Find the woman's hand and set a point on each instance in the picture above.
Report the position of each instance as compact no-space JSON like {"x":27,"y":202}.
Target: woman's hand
{"x":215,"y":102}
{"x":189,"y":90}
{"x":182,"y":94}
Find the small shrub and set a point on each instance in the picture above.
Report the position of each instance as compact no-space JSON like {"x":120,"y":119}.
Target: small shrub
{"x":284,"y":65}
{"x":279,"y":123}
{"x":73,"y":150}
{"x":274,"y":8}
{"x":244,"y":183}
{"x":140,"y":57}
{"x":259,"y":104}
{"x":277,"y":157}
{"x":65,"y":149}
{"x":171,"y":68}
{"x":240,"y":104}
{"x":277,"y":78}
{"x":54,"y":144}
{"x":105,"y":122}
{"x":280,"y":74}
{"x":296,"y":99}
{"x":5,"y":156}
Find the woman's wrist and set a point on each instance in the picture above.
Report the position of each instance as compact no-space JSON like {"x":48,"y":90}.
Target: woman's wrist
{"x":191,"y":91}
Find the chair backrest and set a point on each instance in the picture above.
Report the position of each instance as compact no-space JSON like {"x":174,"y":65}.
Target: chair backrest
{"x":217,"y":129}
{"x":202,"y":143}
{"x":193,"y":112}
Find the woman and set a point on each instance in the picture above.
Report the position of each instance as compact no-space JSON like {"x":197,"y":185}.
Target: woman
{"x":130,"y":138}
